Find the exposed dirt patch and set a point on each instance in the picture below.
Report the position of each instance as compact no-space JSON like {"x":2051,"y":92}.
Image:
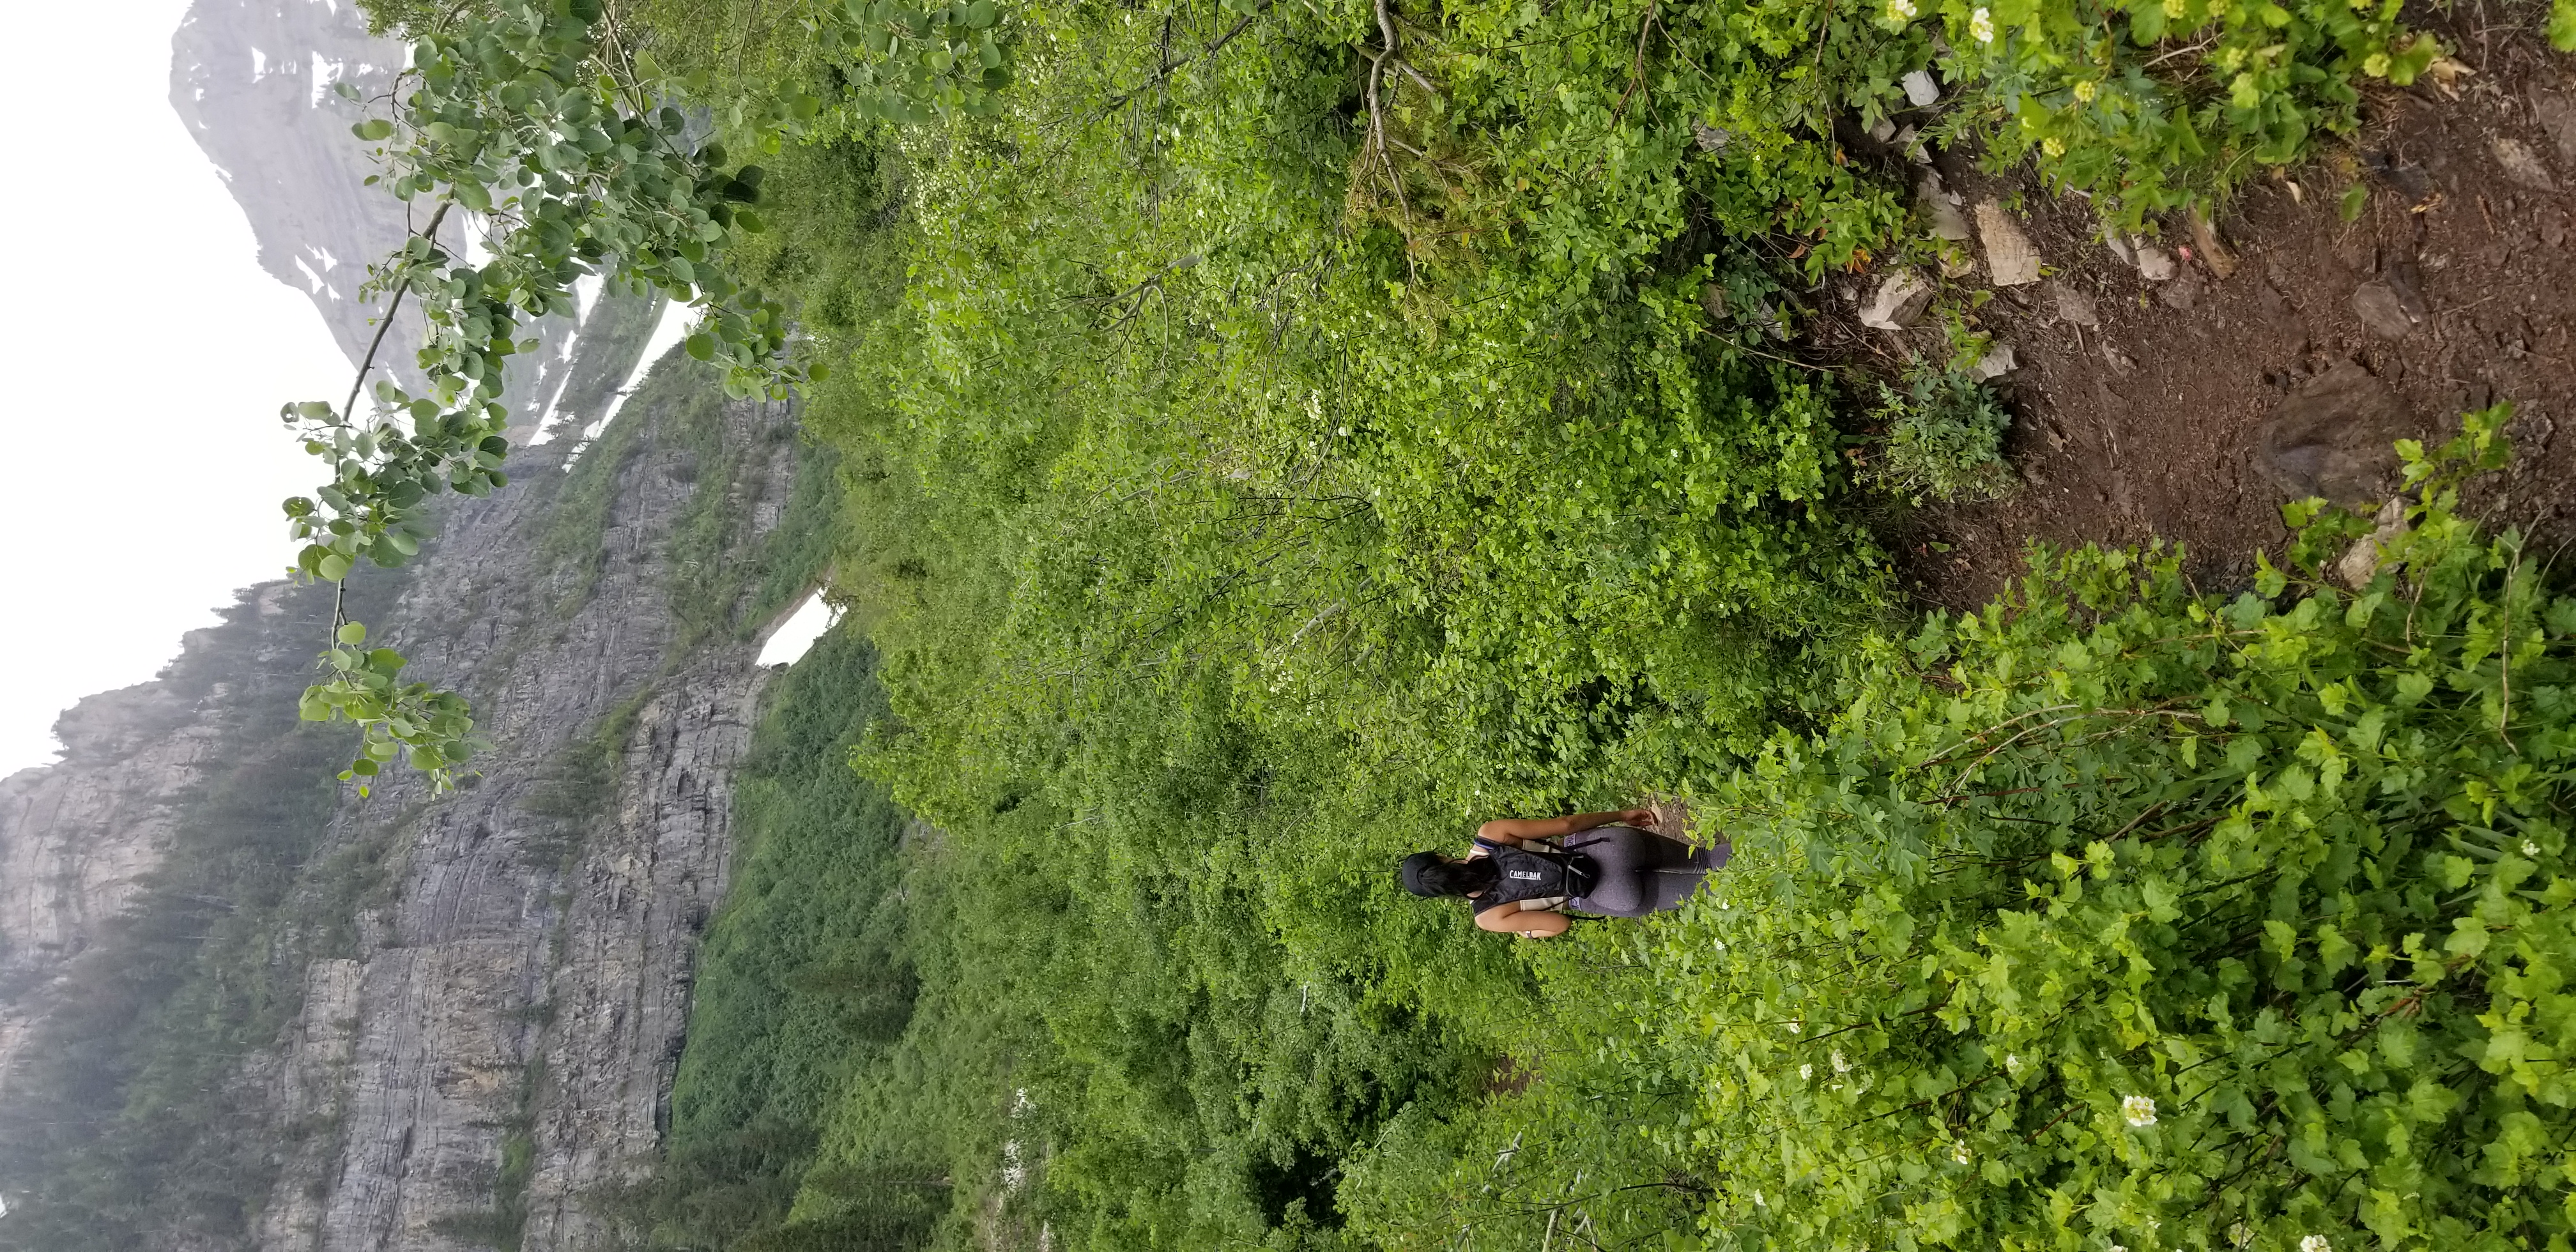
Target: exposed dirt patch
{"x":2454,"y":288}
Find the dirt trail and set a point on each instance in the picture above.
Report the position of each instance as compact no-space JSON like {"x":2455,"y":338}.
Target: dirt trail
{"x":2455,"y":287}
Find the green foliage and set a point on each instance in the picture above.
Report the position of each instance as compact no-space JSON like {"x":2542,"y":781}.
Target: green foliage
{"x":910,"y":62}
{"x":1945,"y":437}
{"x":2151,"y":104}
{"x":537,"y":121}
{"x":428,"y":729}
{"x":2122,"y":914}
{"x":1278,"y":437}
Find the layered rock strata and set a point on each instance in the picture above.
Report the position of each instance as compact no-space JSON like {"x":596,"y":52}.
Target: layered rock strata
{"x":494,"y":1051}
{"x":510,"y":1034}
{"x":473,"y":1004}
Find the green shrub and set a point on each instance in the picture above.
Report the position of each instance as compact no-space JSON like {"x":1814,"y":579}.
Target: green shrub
{"x":1945,"y":438}
{"x":803,"y":975}
{"x":2150,"y":105}
{"x":2126,"y":915}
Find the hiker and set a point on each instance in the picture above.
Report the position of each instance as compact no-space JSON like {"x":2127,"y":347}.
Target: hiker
{"x":1524,"y":872}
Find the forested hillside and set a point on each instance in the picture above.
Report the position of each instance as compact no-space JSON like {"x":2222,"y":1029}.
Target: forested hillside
{"x":1279,"y":437}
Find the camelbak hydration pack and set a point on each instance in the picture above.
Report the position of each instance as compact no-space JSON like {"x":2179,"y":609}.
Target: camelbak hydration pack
{"x":1534,"y":873}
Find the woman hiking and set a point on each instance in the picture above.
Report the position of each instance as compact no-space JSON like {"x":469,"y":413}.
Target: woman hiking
{"x":1524,"y":872}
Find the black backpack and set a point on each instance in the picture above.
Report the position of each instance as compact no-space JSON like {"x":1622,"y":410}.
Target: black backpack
{"x":1533,"y":873}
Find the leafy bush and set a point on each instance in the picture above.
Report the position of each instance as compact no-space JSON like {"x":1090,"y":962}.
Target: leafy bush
{"x":2125,"y":915}
{"x":2152,"y":104}
{"x":1945,"y":438}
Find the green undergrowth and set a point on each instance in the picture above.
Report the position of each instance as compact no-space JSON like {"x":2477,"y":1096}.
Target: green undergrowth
{"x":1945,"y":438}
{"x":1283,"y":435}
{"x":805,"y":981}
{"x":2119,"y":914}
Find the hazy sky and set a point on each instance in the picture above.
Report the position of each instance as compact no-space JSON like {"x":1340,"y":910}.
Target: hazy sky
{"x":147,"y":354}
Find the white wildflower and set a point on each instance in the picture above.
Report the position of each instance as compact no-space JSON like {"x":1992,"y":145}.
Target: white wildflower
{"x":1981,"y":25}
{"x":1959,"y":1153}
{"x":1795,"y":1028}
{"x":1899,"y":12}
{"x":1806,"y":1072}
{"x":2315,"y":1243}
{"x":2141,"y":1111}
{"x":1757,"y":1197}
{"x":1841,"y":1066}
{"x":2529,"y":848}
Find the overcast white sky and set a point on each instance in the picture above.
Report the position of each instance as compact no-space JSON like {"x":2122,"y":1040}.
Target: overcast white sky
{"x":146,"y":354}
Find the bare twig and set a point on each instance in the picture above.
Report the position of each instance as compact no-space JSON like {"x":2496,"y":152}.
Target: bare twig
{"x":1637,"y":62}
{"x":2504,"y":654}
{"x":1174,"y":65}
{"x":2186,"y":50}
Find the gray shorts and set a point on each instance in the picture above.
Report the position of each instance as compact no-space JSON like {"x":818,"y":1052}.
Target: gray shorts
{"x":1641,"y":872}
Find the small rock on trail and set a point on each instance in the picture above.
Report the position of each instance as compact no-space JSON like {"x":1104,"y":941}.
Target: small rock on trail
{"x":2392,"y":305}
{"x":2010,"y":258}
{"x":2522,"y":165}
{"x":2335,"y":437}
{"x":1940,"y":208}
{"x":1902,"y":297}
{"x":2557,"y":115}
{"x":2183,"y":292}
{"x":2361,"y":563}
{"x":2072,"y":304}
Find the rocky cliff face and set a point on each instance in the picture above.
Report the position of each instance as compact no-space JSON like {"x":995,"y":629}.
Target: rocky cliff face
{"x":479,"y":1027}
{"x":233,"y":1018}
{"x":502,"y":1046}
{"x":75,"y":838}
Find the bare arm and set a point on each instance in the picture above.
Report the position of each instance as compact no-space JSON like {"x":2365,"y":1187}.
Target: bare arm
{"x":1513,"y":919}
{"x":1523,"y":829}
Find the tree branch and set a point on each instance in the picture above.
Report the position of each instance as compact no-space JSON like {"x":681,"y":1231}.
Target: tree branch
{"x":349,"y":407}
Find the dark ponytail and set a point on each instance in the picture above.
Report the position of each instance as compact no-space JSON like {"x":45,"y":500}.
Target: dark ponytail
{"x":1431,"y":874}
